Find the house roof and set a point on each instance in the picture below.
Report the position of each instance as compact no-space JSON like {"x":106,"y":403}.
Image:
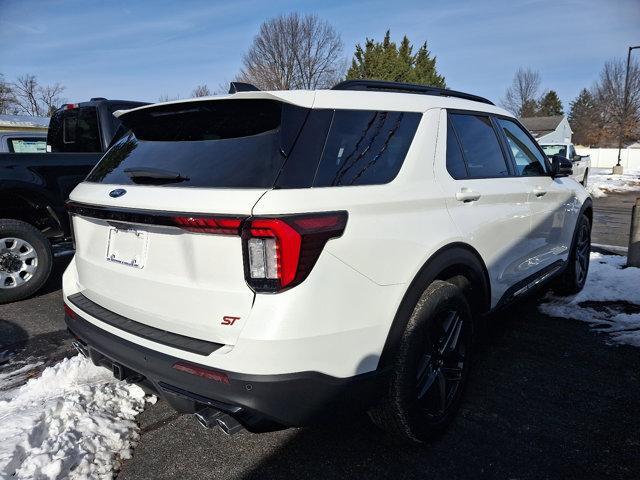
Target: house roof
{"x":23,"y":121}
{"x":539,"y":126}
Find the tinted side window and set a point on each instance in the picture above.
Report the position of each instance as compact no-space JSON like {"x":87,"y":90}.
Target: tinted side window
{"x":365,"y":147}
{"x":529,"y":160}
{"x":480,"y":146}
{"x":455,"y":160}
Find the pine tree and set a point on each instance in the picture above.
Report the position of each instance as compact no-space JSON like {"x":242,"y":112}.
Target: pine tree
{"x":386,"y":61}
{"x":550,"y":105}
{"x":584,"y":119}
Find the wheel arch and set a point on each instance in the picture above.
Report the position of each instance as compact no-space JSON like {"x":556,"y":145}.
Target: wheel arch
{"x":450,"y":262}
{"x":32,"y":209}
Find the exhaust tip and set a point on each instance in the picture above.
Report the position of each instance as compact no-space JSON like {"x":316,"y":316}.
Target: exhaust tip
{"x":80,"y":349}
{"x":211,"y":418}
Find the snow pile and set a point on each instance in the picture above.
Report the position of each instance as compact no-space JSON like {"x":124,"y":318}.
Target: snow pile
{"x":601,"y":181}
{"x":610,"y":300}
{"x":74,"y":421}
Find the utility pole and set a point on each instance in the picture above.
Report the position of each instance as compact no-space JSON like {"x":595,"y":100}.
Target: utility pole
{"x":617,"y":169}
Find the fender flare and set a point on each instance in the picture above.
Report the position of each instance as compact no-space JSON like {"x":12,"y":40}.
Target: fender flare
{"x":451,"y":255}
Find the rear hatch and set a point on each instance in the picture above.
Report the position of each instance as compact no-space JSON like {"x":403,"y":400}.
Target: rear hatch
{"x":156,"y":221}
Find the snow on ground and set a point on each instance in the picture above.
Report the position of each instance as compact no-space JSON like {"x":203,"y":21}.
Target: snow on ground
{"x":610,"y":300}
{"x":601,"y":181}
{"x":73,"y":421}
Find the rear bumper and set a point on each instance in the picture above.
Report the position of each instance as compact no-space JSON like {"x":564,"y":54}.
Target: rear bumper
{"x":259,"y":402}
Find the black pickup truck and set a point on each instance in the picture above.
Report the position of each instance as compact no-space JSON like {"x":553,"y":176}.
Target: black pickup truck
{"x":34,"y":187}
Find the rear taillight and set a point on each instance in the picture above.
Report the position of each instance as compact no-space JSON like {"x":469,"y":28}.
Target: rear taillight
{"x":280,"y":252}
{"x":214,"y":225}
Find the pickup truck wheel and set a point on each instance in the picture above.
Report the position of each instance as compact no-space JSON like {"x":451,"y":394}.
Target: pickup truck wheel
{"x":25,"y":260}
{"x":575,"y":274}
{"x":430,"y":368}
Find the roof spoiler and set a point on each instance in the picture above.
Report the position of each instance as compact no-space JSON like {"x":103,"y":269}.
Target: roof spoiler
{"x":235,"y":87}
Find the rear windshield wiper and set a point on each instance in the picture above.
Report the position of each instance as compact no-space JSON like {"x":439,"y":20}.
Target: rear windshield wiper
{"x":153,"y":175}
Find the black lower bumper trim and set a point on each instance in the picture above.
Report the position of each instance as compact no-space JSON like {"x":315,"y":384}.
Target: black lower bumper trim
{"x":157,"y":335}
{"x":259,"y":402}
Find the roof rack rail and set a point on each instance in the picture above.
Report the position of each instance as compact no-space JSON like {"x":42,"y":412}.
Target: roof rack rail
{"x":235,"y":87}
{"x":383,"y":85}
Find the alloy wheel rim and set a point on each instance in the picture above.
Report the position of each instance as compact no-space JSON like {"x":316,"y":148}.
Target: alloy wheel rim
{"x":441,"y":368}
{"x":18,"y":262}
{"x":583,"y":249}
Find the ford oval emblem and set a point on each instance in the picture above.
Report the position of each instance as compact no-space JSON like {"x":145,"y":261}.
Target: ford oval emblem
{"x":118,"y":192}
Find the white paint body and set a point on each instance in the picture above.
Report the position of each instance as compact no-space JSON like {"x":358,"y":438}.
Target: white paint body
{"x":337,"y":321}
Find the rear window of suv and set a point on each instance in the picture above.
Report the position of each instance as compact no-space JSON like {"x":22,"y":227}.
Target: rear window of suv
{"x":253,"y":143}
{"x":218,"y":144}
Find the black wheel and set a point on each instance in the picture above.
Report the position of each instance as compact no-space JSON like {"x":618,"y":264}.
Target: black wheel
{"x":25,"y":260}
{"x":574,"y":277}
{"x":430,"y":368}
{"x":586,"y":177}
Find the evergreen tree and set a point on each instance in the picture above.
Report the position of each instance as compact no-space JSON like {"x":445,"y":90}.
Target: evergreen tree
{"x":386,"y":61}
{"x":529,"y":109}
{"x":550,"y":105}
{"x":584,"y":118}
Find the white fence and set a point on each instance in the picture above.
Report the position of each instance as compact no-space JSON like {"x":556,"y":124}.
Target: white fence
{"x":608,"y":157}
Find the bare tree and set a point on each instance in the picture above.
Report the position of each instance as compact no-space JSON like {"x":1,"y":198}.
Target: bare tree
{"x":25,"y":92}
{"x":50,"y":97}
{"x":31,"y":98}
{"x":294,"y":51}
{"x":609,"y":96}
{"x":6,"y":97}
{"x":520,"y":97}
{"x":201,"y":91}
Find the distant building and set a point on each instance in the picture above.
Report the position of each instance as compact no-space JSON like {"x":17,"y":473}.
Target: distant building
{"x":549,"y":129}
{"x":23,"y":123}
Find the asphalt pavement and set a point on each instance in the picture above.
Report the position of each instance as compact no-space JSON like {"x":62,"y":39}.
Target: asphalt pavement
{"x":548,"y":398}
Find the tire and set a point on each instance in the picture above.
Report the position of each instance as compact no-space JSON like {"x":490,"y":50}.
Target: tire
{"x":572,"y":280}
{"x":585,"y":179}
{"x":433,"y":357}
{"x":25,"y":260}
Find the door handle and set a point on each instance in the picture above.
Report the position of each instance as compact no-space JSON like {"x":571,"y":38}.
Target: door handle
{"x":467,"y":195}
{"x":539,"y":192}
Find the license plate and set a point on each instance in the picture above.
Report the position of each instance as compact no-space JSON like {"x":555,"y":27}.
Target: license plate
{"x":127,"y":247}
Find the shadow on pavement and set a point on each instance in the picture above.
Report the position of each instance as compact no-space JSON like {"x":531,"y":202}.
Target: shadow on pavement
{"x":12,"y":338}
{"x":548,"y":399}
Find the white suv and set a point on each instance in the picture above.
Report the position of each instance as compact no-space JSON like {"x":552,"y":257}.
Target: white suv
{"x":263,"y":258}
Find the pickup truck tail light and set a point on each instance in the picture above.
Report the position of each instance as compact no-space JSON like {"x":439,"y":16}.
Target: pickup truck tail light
{"x":280,"y":252}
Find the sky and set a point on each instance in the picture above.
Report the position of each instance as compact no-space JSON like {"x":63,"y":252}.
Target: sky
{"x":140,"y":50}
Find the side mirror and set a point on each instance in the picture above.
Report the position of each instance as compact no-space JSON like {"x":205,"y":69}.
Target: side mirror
{"x":560,"y":166}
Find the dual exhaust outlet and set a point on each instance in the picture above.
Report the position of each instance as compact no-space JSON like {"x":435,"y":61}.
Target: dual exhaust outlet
{"x":210,"y":418}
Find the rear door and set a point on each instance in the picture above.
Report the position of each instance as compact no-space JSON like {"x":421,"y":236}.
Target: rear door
{"x":549,"y":199}
{"x":487,"y":203}
{"x":157,"y":221}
